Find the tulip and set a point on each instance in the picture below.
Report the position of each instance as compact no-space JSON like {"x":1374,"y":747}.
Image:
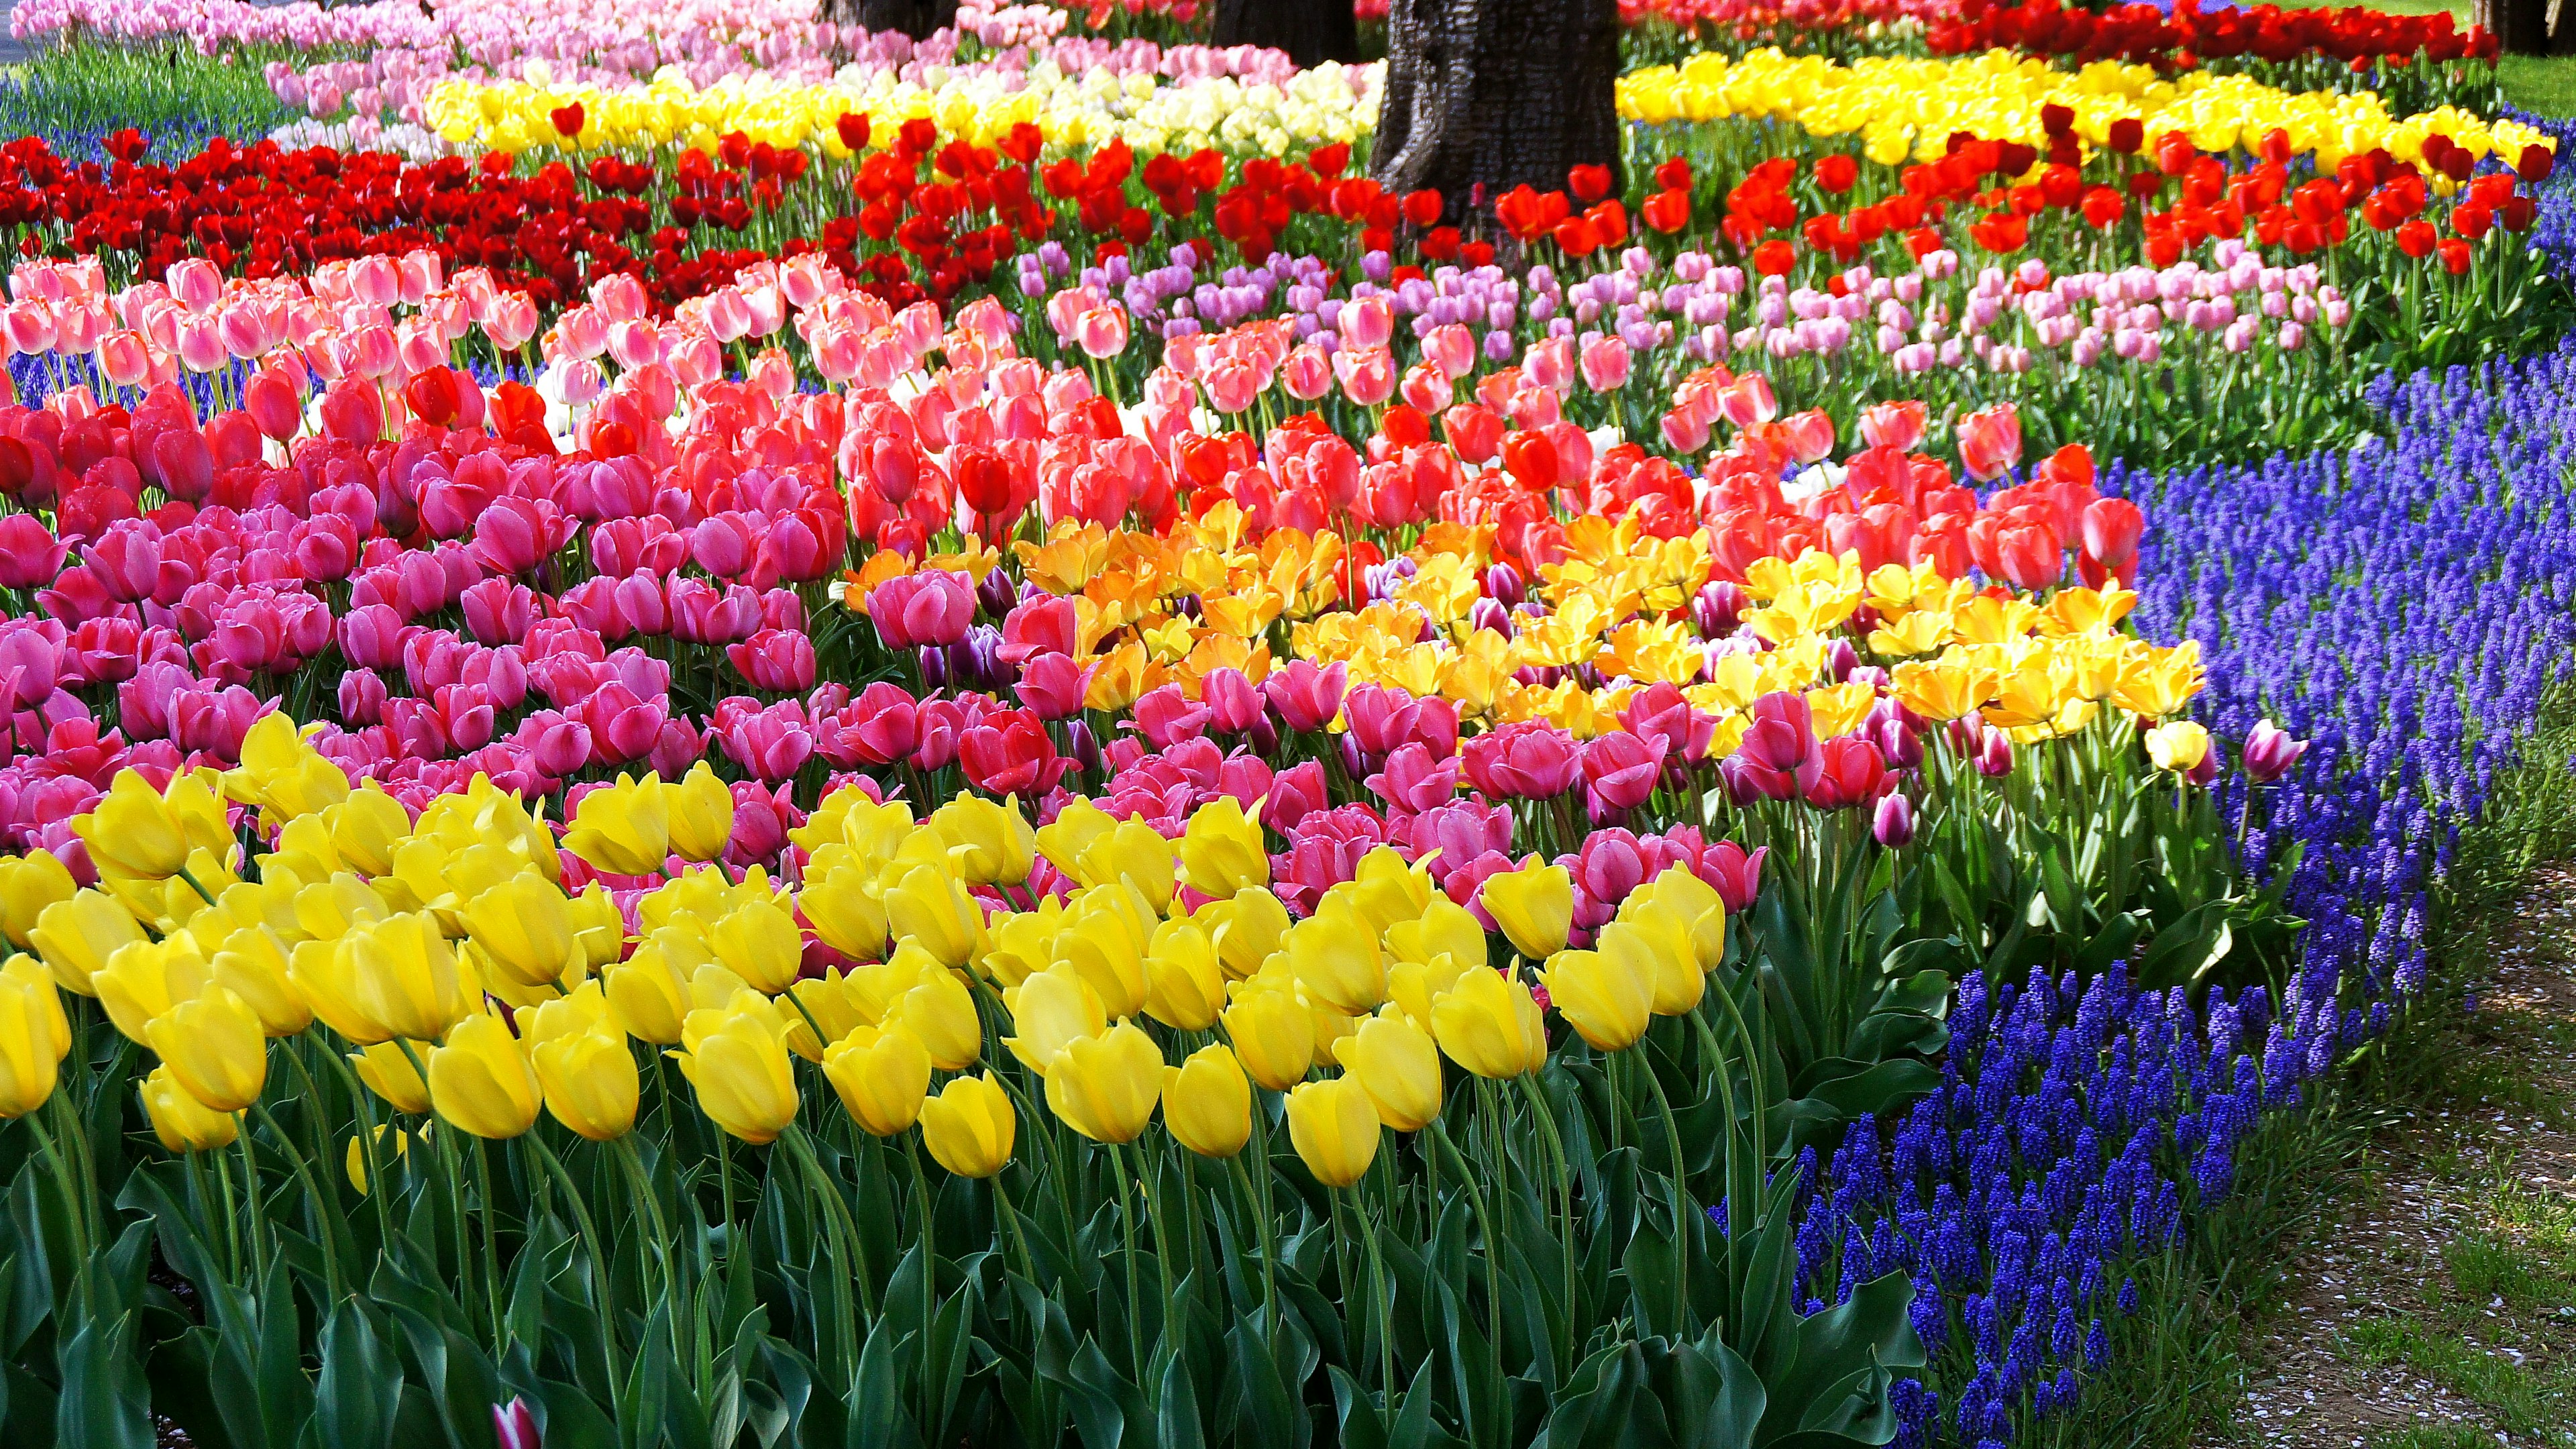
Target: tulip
{"x":78,"y":936}
{"x":215,"y":1048}
{"x":2270,"y":753}
{"x":940,"y":1013}
{"x":1533,"y":905}
{"x":1106,"y":1087}
{"x":1334,"y":1127}
{"x":28,"y":885}
{"x":1398,"y":1064}
{"x":736,"y":1057}
{"x":480,"y":1080}
{"x":623,"y":829}
{"x":1607,"y":998}
{"x":1335,"y":957}
{"x":2177,"y":745}
{"x":391,"y":1075}
{"x":758,"y":941}
{"x":183,"y":1123}
{"x":970,"y":1127}
{"x":402,"y":979}
{"x":1491,"y":1025}
{"x":1207,"y":1103}
{"x":524,"y":926}
{"x":881,"y":1077}
{"x":1222,"y":851}
{"x":34,"y":1036}
{"x":701,"y":815}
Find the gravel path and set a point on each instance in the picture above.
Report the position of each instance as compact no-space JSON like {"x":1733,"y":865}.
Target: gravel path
{"x":2437,"y":1310}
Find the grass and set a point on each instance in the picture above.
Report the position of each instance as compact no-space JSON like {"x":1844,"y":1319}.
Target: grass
{"x":2545,"y":85}
{"x":75,"y":95}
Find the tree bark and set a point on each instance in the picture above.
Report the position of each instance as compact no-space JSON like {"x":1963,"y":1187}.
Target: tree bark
{"x":916,"y":18}
{"x":2523,"y":27}
{"x":1311,"y":31}
{"x":1486,"y":95}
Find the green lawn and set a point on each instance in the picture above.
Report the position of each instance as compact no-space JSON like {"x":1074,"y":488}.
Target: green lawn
{"x":2547,"y":86}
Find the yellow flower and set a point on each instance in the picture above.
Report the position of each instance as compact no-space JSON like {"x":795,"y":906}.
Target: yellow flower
{"x":1222,"y":851}
{"x":77,"y":936}
{"x":1273,"y":1034}
{"x":481,"y":1082}
{"x":390,"y":1075}
{"x":183,"y":1123}
{"x":625,"y":828}
{"x":701,"y":815}
{"x":214,"y":1046}
{"x":1106,"y":1087}
{"x":881,"y":1077}
{"x":1399,"y":1066}
{"x":1606,"y":998}
{"x":1050,"y":1011}
{"x":2178,"y":745}
{"x":1334,"y":1126}
{"x":1534,"y":905}
{"x":736,"y":1056}
{"x":1491,"y":1025}
{"x":970,"y":1127}
{"x":1207,"y":1103}
{"x":1336,"y":959}
{"x":34,"y":1036}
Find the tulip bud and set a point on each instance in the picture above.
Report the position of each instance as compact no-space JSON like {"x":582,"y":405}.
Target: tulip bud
{"x":1207,"y":1103}
{"x":970,"y":1127}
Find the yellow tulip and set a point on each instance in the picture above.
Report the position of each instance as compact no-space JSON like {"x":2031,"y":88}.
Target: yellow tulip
{"x":1650,"y":942}
{"x":1222,"y":850}
{"x":253,"y":965}
{"x":623,"y":829}
{"x":481,"y":1080}
{"x":934,"y":910}
{"x":1184,"y":989}
{"x":940,"y":1013}
{"x":356,"y":1158}
{"x":970,"y":1127}
{"x":758,"y":942}
{"x":77,"y":936}
{"x":1207,"y":1103}
{"x":2178,"y":745}
{"x":1534,"y":905}
{"x":183,"y":1123}
{"x":28,"y":885}
{"x":1247,"y":929}
{"x":990,"y":841}
{"x":1491,"y":1025}
{"x":1398,"y":1064}
{"x":34,"y":1036}
{"x":1335,"y":956}
{"x":1334,"y":1126}
{"x":403,"y":977}
{"x":1273,"y":1034}
{"x":846,"y":911}
{"x":1050,"y":1011}
{"x":214,"y":1045}
{"x":701,"y":813}
{"x":390,"y":1075}
{"x":1607,"y":1000}
{"x":736,"y":1056}
{"x":881,"y":1077}
{"x":1105,"y":1087}
{"x":132,"y":832}
{"x":147,"y":978}
{"x":526,"y":929}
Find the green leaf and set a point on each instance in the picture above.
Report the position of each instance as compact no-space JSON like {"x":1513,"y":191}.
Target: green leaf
{"x":360,"y":1380}
{"x":104,"y":1402}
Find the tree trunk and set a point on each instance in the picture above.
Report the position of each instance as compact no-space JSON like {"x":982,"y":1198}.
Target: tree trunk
{"x":2522,"y":27}
{"x":1311,"y":31}
{"x":1485,"y":95}
{"x":916,"y":18}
